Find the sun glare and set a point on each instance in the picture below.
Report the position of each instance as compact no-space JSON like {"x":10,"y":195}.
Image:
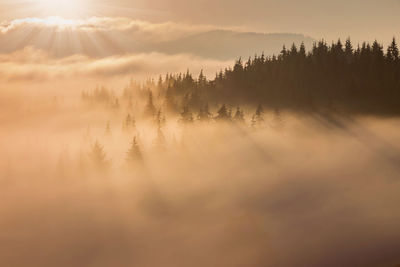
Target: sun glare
{"x":62,"y":8}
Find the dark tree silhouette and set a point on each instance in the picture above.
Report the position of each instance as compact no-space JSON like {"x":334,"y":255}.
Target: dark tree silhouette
{"x":223,"y":114}
{"x":325,"y":78}
{"x":239,"y":116}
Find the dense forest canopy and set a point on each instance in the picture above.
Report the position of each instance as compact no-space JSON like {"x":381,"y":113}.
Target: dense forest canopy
{"x":336,"y":77}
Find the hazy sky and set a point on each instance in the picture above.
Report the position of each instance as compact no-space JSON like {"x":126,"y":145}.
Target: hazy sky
{"x":108,"y":38}
{"x":362,"y":19}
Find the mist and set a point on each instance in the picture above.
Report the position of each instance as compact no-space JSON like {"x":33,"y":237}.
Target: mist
{"x":295,"y":190}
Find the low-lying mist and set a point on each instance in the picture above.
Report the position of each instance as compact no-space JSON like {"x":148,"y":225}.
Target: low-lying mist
{"x":301,"y":190}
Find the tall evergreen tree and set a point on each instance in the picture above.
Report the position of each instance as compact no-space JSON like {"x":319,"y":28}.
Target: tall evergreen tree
{"x":239,"y":116}
{"x":393,"y":51}
{"x":186,"y":115}
{"x":98,"y":156}
{"x":134,"y":153}
{"x":150,"y":109}
{"x":223,"y":114}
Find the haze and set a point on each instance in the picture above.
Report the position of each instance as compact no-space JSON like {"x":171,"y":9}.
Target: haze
{"x":199,"y":133}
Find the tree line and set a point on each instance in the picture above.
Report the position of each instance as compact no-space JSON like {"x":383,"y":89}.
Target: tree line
{"x":337,"y":77}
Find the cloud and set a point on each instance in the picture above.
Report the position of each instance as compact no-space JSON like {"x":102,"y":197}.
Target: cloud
{"x":33,"y":64}
{"x":105,"y":37}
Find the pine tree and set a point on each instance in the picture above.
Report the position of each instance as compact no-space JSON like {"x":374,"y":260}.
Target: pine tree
{"x":202,"y":80}
{"x":108,"y":128}
{"x":239,"y":116}
{"x":258,"y":118}
{"x":223,"y":114}
{"x":134,"y":153}
{"x":160,"y":141}
{"x":302,"y":50}
{"x":150,"y":109}
{"x":377,"y":50}
{"x":160,"y":119}
{"x":393,"y":51}
{"x":186,"y":115}
{"x":98,"y":156}
{"x":204,"y":114}
{"x":348,"y":50}
{"x":278,"y":122}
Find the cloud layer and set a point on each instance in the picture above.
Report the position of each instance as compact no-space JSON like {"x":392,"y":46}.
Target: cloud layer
{"x":41,"y":49}
{"x":37,"y":65}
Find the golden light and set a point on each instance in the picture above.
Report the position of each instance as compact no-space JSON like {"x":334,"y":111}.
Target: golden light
{"x":62,"y":8}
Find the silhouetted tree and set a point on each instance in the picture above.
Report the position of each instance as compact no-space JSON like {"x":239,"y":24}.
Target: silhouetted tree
{"x":223,"y":114}
{"x":239,"y":116}
{"x":393,"y":51}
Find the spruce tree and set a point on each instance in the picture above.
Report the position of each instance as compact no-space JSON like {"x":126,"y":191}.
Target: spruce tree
{"x":186,"y":115}
{"x":150,"y":109}
{"x":223,"y":114}
{"x":134,"y":153}
{"x":239,"y":116}
{"x":393,"y":51}
{"x":98,"y":156}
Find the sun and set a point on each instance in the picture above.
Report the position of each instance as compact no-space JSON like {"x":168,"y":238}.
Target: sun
{"x":61,"y":8}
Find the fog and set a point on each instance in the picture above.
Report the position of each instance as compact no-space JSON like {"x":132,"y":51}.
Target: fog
{"x":298,"y":190}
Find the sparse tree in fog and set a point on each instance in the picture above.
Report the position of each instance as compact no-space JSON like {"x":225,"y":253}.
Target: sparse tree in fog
{"x":108,"y":128}
{"x":239,"y":116}
{"x":134,"y":153}
{"x":97,"y":156}
{"x":258,"y":117}
{"x":278,"y":122}
{"x":150,"y":109}
{"x":186,"y":115}
{"x":160,"y":119}
{"x":223,"y":114}
{"x":129,"y":123}
{"x":160,"y":141}
{"x":204,"y":113}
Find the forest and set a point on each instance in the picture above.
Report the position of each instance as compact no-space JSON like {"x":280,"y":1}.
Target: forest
{"x":326,"y":78}
{"x":280,"y":155}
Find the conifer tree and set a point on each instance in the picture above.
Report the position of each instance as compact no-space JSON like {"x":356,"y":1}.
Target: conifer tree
{"x":223,"y":114}
{"x":134,"y":153}
{"x":108,"y":128}
{"x":239,"y":116}
{"x":204,"y":114}
{"x":393,"y":51}
{"x":258,"y":118}
{"x":186,"y":115}
{"x":160,"y":141}
{"x":150,"y":109}
{"x":160,"y":119}
{"x":302,"y":50}
{"x":98,"y":156}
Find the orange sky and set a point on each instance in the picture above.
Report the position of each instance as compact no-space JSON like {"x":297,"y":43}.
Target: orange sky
{"x":46,"y":39}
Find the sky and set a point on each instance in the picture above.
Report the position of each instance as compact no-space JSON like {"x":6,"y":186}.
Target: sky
{"x":362,"y":19}
{"x":46,"y":39}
